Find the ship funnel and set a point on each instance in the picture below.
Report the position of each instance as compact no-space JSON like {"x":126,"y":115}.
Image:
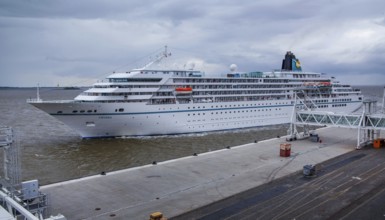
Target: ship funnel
{"x":290,"y":63}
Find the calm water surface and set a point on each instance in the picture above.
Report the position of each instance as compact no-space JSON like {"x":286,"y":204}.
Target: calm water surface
{"x":52,"y":152}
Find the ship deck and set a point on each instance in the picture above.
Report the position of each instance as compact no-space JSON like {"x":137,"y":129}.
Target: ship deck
{"x":181,"y":185}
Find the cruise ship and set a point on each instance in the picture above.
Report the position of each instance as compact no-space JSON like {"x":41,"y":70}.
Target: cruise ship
{"x":154,"y":101}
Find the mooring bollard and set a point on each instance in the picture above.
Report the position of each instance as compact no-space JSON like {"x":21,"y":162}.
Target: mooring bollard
{"x":157,"y":216}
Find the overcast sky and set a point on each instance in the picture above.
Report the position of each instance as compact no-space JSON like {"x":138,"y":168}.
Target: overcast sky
{"x":81,"y":41}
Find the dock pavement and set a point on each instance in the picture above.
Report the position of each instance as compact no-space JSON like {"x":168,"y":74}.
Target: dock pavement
{"x":178,"y":186}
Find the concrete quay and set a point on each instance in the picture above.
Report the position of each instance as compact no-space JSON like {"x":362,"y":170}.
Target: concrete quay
{"x":178,"y":186}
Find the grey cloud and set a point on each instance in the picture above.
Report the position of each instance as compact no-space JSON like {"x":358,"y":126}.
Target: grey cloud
{"x":73,"y":59}
{"x":85,"y":38}
{"x":179,"y":11}
{"x":380,"y":21}
{"x":82,"y":9}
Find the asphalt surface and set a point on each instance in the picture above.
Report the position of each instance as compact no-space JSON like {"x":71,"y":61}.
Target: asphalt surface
{"x":350,"y":186}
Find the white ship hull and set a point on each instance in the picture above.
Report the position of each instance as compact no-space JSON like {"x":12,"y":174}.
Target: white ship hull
{"x":140,"y":119}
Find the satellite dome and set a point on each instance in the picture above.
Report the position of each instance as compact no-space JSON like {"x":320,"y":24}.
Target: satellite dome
{"x":233,"y":67}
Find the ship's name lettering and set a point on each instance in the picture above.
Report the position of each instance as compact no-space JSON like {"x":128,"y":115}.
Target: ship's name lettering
{"x":105,"y":117}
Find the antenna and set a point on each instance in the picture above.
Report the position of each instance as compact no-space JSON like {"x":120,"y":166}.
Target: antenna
{"x":165,"y":54}
{"x":38,"y":93}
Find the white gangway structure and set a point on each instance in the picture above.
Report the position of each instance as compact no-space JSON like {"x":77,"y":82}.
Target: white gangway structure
{"x":19,"y":200}
{"x":369,"y":123}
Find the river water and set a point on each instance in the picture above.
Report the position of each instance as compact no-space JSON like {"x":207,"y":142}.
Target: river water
{"x":51,"y":152}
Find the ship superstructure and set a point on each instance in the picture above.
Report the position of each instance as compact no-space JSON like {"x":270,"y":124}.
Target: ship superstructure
{"x":149,"y":101}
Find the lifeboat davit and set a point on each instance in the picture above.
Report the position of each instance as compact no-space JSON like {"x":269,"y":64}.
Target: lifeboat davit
{"x":183,"y":90}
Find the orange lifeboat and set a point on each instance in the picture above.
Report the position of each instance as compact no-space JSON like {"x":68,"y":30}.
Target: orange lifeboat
{"x":325,"y":83}
{"x":317,"y":84}
{"x":183,"y":90}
